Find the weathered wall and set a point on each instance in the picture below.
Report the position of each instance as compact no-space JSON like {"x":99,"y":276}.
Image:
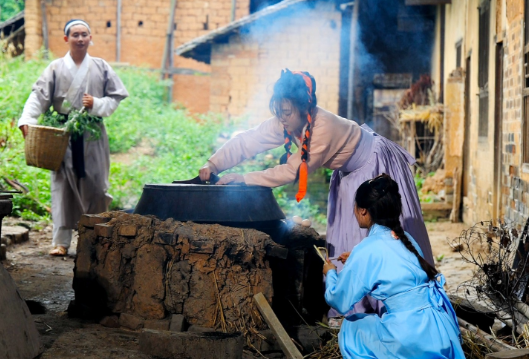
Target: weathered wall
{"x":515,"y":184}
{"x":506,"y":27}
{"x":454,"y":127}
{"x":462,"y":26}
{"x":245,"y":69}
{"x":143,"y":33}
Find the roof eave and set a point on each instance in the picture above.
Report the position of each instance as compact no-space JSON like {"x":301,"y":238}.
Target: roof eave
{"x":200,"y":47}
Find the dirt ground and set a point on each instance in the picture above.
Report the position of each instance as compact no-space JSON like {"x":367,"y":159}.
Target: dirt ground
{"x":48,"y":280}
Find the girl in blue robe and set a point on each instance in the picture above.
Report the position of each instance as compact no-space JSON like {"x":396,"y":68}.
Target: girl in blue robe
{"x":387,"y":265}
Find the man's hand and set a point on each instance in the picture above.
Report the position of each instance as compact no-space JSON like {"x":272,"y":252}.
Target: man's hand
{"x":24,"y":129}
{"x":88,"y":101}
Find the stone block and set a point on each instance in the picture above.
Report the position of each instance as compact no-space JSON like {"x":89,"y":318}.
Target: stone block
{"x":162,"y":344}
{"x":111,"y":321}
{"x":128,"y":230}
{"x":157,"y":324}
{"x":14,"y":235}
{"x":178,"y":323}
{"x":104,"y":230}
{"x":130,"y":321}
{"x":20,"y":338}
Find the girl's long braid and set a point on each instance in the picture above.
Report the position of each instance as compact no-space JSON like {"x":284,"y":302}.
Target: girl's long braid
{"x":381,"y":197}
{"x":288,"y":146}
{"x":396,"y":227}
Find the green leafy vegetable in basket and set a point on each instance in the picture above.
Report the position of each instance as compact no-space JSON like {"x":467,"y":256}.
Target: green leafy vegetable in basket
{"x":77,"y":122}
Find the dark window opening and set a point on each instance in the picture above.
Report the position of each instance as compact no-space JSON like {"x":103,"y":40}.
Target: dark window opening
{"x":140,"y":23}
{"x":109,"y":24}
{"x":483,"y":68}
{"x":458,"y":54}
{"x":526,"y":19}
{"x":483,"y":129}
{"x":206,"y":24}
{"x":174,"y":27}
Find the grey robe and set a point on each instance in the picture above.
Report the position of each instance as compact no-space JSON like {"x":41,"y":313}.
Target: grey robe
{"x":71,"y":196}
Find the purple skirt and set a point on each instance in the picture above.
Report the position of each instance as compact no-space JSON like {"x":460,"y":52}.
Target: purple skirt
{"x":343,"y":231}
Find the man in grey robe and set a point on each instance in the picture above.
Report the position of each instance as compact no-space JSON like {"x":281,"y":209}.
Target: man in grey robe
{"x":75,"y":81}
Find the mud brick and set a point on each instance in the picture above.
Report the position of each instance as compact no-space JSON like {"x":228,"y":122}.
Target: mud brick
{"x":111,"y":321}
{"x":201,"y":245}
{"x":157,"y":324}
{"x":90,"y":220}
{"x":104,"y":230}
{"x":165,"y":238}
{"x":130,"y":321}
{"x":178,"y":322}
{"x":128,"y":230}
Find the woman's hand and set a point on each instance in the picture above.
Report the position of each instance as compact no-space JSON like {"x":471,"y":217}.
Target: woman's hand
{"x":343,"y":257}
{"x":206,"y":171}
{"x":328,"y":266}
{"x":88,"y":101}
{"x":24,"y":129}
{"x":231,"y":178}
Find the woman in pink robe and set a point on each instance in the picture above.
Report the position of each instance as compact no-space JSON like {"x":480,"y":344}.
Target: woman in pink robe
{"x":354,"y":152}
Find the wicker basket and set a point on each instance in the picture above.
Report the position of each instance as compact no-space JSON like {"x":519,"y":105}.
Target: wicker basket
{"x":45,"y":147}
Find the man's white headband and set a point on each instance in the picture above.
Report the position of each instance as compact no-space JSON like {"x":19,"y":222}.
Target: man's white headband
{"x":76,"y":22}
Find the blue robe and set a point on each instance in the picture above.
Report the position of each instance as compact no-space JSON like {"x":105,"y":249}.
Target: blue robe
{"x":420,"y":321}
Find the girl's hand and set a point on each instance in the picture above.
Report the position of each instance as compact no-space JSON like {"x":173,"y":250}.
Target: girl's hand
{"x":206,"y":171}
{"x":343,"y":257}
{"x":231,"y":178}
{"x":88,"y":101}
{"x":328,"y":266}
{"x":24,"y":129}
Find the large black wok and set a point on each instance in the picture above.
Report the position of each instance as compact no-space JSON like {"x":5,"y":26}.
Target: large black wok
{"x":231,"y":204}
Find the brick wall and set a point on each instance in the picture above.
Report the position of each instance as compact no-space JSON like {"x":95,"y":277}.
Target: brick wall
{"x":143,"y":33}
{"x":245,"y":68}
{"x":515,"y":183}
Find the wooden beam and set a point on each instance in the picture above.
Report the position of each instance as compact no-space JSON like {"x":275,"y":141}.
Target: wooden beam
{"x":44,"y":28}
{"x":281,"y":335}
{"x":509,"y":354}
{"x":353,"y":33}
{"x":169,"y":37}
{"x":118,"y":31}
{"x":487,"y":339}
